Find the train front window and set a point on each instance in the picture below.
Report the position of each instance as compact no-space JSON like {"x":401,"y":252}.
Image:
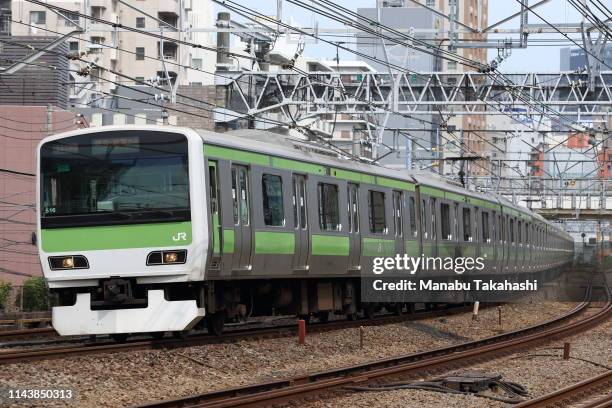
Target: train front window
{"x":120,"y":177}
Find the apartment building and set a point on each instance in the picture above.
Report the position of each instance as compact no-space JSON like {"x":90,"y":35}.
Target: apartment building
{"x":118,"y":54}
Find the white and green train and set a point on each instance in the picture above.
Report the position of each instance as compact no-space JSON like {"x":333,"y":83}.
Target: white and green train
{"x":155,"y":229}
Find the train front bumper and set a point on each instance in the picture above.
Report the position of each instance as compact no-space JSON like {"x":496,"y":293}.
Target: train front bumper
{"x":159,"y":315}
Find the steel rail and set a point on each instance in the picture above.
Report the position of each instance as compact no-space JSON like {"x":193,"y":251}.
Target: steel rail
{"x":575,"y":391}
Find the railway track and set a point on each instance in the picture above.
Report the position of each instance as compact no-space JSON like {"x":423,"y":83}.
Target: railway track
{"x":26,"y":333}
{"x":402,"y":367}
{"x":576,"y":392}
{"x":108,"y":346}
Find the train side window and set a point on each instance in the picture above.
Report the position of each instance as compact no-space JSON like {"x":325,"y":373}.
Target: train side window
{"x":485,"y":227}
{"x":456,"y":222}
{"x":412,"y":212}
{"x":445,"y":223}
{"x":398,"y":213}
{"x":376,"y":204}
{"x":329,"y":213}
{"x":272,"y":196}
{"x":299,"y":202}
{"x":235,"y":196}
{"x":467,"y":224}
{"x":213,"y":188}
{"x":432,"y":209}
{"x":424,"y":220}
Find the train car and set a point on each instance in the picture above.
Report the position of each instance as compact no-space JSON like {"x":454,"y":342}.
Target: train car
{"x":155,"y":229}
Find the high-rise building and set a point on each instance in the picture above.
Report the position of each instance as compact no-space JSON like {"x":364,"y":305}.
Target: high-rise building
{"x":116,"y":51}
{"x":423,"y":148}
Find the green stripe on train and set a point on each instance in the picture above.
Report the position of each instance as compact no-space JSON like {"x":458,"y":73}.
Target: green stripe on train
{"x":377,"y":247}
{"x":330,"y":245}
{"x":267,"y":242}
{"x":228,"y":241}
{"x":236,"y":155}
{"x":116,"y":237}
{"x":298,"y":166}
{"x":353,"y":176}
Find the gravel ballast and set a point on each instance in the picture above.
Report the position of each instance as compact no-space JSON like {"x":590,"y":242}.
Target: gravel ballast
{"x":126,"y":378}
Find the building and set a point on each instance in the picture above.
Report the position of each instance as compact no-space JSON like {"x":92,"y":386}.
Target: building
{"x":21,"y":128}
{"x":424,"y":145}
{"x":42,"y":81}
{"x":571,"y":59}
{"x":117,"y":55}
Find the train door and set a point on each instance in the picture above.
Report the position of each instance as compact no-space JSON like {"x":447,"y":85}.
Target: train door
{"x":300,"y":218}
{"x":353,"y":227}
{"x":433,"y":213}
{"x":398,"y":221}
{"x":242,"y":217}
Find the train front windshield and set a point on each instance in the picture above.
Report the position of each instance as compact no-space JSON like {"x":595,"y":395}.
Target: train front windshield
{"x":119,"y":177}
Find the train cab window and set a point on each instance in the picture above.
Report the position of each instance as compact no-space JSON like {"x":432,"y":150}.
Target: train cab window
{"x":485,"y":227}
{"x":412,"y":214}
{"x":329,"y":213}
{"x":445,"y":222}
{"x":376,"y":204}
{"x":467,"y":225}
{"x":398,"y":213}
{"x":272,"y":196}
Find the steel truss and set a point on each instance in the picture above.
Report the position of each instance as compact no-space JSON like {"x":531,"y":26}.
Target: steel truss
{"x":528,"y":96}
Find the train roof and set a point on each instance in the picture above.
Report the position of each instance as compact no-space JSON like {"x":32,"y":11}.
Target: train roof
{"x":285,"y":146}
{"x":281,"y":145}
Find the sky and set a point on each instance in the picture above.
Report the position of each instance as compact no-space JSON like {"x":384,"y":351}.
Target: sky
{"x":533,"y":59}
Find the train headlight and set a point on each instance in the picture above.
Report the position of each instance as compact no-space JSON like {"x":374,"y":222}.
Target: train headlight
{"x":68,"y":262}
{"x":170,"y":257}
{"x":178,"y":256}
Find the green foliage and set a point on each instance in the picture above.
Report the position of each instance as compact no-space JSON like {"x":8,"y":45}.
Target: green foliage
{"x":5,"y":290}
{"x":35,"y":294}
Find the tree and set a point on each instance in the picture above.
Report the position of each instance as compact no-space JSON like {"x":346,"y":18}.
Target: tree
{"x":5,"y":290}
{"x":35,"y":294}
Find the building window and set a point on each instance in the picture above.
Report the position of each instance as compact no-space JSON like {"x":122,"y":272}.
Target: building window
{"x":38,"y":17}
{"x":97,"y":12}
{"x":140,"y":53}
{"x":445,"y":223}
{"x":431,"y":3}
{"x":74,"y":46}
{"x":139,"y":80}
{"x":272,"y":195}
{"x":196,"y":63}
{"x":376,"y":204}
{"x":71,"y":19}
{"x":140,"y":22}
{"x":329,"y":214}
{"x":467,"y":225}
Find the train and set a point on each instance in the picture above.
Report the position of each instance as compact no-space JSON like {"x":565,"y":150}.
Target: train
{"x":156,"y":229}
